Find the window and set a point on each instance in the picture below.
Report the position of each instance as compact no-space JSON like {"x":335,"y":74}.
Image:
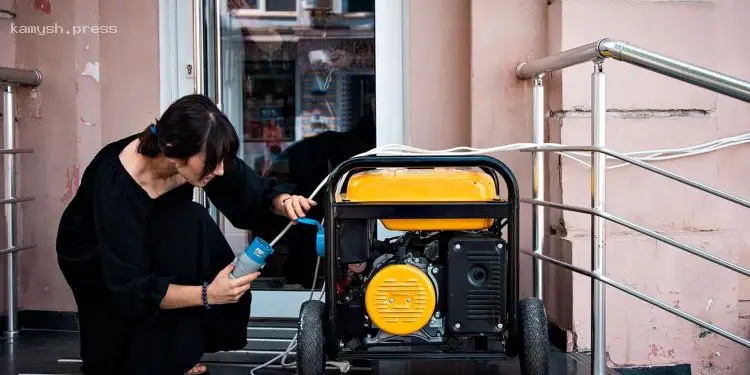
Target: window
{"x":288,"y":100}
{"x":265,"y":5}
{"x":357,"y":6}
{"x":281,"y":5}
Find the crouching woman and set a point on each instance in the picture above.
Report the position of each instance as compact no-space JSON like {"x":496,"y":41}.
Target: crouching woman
{"x":147,"y":266}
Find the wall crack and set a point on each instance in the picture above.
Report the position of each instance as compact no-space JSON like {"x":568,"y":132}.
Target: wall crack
{"x":635,"y":113}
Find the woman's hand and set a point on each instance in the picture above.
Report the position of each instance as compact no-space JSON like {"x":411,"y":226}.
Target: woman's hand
{"x":224,"y":290}
{"x":292,"y":206}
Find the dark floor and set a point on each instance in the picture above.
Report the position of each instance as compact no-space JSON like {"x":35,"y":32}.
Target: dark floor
{"x":56,"y":352}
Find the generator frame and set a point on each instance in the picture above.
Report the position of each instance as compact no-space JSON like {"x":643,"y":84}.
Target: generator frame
{"x":497,"y":209}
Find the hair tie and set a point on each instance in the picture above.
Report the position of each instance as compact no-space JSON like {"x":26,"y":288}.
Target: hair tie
{"x":153,"y":129}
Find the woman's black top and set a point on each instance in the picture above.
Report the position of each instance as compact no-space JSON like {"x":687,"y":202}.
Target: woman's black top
{"x":103,"y":233}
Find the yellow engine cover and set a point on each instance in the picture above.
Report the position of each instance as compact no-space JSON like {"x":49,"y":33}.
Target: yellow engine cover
{"x":424,"y":185}
{"x":400,"y":299}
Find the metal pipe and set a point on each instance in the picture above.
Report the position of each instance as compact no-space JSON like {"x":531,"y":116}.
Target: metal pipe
{"x":4,"y":151}
{"x":645,"y":231}
{"x":218,"y":85}
{"x":643,"y":297}
{"x":538,"y":180}
{"x":198,"y":47}
{"x":703,"y":187}
{"x":16,"y":200}
{"x":641,"y":57}
{"x":199,"y":70}
{"x":680,"y":70}
{"x":13,"y":76}
{"x":598,"y":224}
{"x":219,"y":71}
{"x":558,"y":61}
{"x":16,"y":249}
{"x":10,"y":209}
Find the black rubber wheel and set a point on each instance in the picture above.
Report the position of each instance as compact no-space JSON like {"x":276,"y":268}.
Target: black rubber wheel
{"x":534,"y":337}
{"x":311,"y":354}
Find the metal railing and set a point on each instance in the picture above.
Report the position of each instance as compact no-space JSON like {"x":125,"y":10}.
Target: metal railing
{"x":9,"y":79}
{"x":597,"y":53}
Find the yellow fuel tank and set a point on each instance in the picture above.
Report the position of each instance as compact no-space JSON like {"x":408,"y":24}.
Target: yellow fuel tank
{"x":424,"y":185}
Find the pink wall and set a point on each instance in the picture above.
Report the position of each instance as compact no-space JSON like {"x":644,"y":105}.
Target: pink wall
{"x":648,"y":111}
{"x":500,"y":104}
{"x":97,"y":88}
{"x":462,"y":90}
{"x":439,"y":73}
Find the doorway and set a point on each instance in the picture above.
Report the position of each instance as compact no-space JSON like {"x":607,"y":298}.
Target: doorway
{"x":283,"y":77}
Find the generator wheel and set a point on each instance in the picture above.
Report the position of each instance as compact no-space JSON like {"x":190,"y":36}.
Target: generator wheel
{"x":311,"y":354}
{"x":534,"y":337}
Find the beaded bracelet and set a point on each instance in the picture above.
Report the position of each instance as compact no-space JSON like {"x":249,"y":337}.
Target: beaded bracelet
{"x":205,"y":296}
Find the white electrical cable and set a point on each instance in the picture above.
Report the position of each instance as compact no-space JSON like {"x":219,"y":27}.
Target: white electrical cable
{"x":398,"y":150}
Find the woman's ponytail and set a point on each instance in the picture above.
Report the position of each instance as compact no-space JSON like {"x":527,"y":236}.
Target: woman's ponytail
{"x":148,"y":141}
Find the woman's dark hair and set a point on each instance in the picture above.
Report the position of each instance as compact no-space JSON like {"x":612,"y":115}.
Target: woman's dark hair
{"x":190,"y":125}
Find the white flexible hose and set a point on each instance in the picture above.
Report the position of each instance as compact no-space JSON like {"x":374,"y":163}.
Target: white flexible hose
{"x":396,"y":149}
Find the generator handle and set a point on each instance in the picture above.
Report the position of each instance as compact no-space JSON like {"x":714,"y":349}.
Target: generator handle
{"x":426,"y":161}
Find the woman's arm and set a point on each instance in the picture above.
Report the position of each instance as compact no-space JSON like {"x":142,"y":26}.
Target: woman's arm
{"x":179,"y":296}
{"x":221,"y":291}
{"x":291,"y":206}
{"x":248,"y":199}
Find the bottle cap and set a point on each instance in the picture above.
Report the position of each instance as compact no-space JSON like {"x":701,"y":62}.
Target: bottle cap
{"x":259,"y":250}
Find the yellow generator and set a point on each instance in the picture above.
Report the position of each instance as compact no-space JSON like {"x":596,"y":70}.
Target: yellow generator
{"x":444,"y":286}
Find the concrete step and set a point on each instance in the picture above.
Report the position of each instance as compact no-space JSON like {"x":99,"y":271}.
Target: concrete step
{"x":277,"y":329}
{"x":247,"y":356}
{"x":266,"y":339}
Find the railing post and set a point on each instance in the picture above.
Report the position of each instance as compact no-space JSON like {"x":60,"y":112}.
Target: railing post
{"x":598,"y":224}
{"x":537,"y":125}
{"x":10,"y":209}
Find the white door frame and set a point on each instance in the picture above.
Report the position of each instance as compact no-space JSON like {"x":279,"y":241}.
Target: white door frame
{"x":176,"y":54}
{"x":175,"y":50}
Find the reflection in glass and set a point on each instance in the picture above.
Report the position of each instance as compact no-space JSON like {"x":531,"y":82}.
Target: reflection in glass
{"x":281,"y":5}
{"x":305,"y":103}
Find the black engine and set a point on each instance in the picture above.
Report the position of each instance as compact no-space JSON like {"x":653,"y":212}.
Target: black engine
{"x":468,"y":271}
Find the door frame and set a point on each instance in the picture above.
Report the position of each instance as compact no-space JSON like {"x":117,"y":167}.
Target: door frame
{"x":391,"y":62}
{"x":175,"y":51}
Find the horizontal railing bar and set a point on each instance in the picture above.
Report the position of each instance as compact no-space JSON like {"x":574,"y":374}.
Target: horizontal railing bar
{"x":20,"y":76}
{"x":16,"y":200}
{"x":558,"y":61}
{"x":708,"y":189}
{"x":642,"y":58}
{"x":16,"y":249}
{"x":648,"y":232}
{"x":674,"y":68}
{"x":644,"y":297}
{"x":6,"y":151}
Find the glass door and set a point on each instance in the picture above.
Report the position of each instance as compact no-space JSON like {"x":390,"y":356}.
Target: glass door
{"x":297,"y":78}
